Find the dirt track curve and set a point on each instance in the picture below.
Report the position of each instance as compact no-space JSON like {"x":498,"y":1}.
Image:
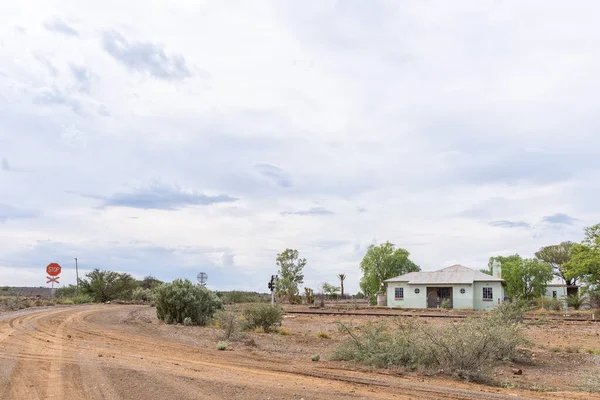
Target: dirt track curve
{"x":82,"y":352}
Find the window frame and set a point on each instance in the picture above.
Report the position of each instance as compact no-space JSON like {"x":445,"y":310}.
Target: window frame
{"x":490,"y":294}
{"x":396,"y":290}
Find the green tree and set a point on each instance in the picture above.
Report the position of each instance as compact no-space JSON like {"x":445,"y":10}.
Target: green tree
{"x":383,"y":262}
{"x":149,"y":282}
{"x":104,"y":286}
{"x":501,"y":260}
{"x":290,"y":274}
{"x":329,"y":289}
{"x":585,"y":259}
{"x":525,"y":278}
{"x":342,"y":278}
{"x":557,"y":256}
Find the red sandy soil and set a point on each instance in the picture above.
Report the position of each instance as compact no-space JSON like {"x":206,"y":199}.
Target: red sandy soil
{"x":124,"y":352}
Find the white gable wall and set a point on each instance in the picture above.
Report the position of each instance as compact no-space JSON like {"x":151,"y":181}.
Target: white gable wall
{"x":471,"y":299}
{"x":497,"y":293}
{"x":462,"y":301}
{"x":411,"y":299}
{"x":561,"y":292}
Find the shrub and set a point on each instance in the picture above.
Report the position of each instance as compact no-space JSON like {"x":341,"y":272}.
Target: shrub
{"x":446,"y":304}
{"x":323,"y":335}
{"x":572,"y":349}
{"x":66,"y":292}
{"x":141,"y":294}
{"x":82,"y":299}
{"x":283,"y":332}
{"x":468,"y":349}
{"x":376,"y":346}
{"x":262,"y":316}
{"x":553,"y":304}
{"x":187,"y":321}
{"x":105,"y":286}
{"x":575,"y":301}
{"x":221,"y":346}
{"x":511,"y":312}
{"x":310,"y":295}
{"x":228,"y":322}
{"x":372,"y":300}
{"x":180,"y":299}
{"x":237,"y":296}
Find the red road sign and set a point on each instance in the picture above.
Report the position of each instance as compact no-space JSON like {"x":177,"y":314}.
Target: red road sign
{"x":51,"y":279}
{"x":53,"y":269}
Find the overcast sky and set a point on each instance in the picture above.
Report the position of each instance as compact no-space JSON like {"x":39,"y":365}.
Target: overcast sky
{"x":169,"y":139}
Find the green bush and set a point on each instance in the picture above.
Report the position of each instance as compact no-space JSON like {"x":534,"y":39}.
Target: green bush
{"x":446,"y":304}
{"x":511,"y":312}
{"x":262,"y":316}
{"x":141,"y":294}
{"x":82,"y":299}
{"x":187,"y":321}
{"x":372,"y":300}
{"x":180,"y":299}
{"x":66,"y":292}
{"x":221,"y":346}
{"x":237,"y":296}
{"x":575,"y":301}
{"x":105,"y":286}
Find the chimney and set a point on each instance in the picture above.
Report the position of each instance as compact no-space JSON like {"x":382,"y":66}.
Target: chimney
{"x":497,"y":269}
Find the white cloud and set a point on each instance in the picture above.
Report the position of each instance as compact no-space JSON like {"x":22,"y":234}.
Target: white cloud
{"x":334,"y":124}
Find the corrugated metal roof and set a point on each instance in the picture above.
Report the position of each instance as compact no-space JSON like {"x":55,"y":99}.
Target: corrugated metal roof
{"x":558,"y":281}
{"x":455,"y":274}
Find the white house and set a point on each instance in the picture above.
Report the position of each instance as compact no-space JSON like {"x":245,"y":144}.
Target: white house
{"x":462,"y":287}
{"x":557,"y":288}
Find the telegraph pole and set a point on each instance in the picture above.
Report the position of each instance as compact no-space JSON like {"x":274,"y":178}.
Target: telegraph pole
{"x":77,"y":275}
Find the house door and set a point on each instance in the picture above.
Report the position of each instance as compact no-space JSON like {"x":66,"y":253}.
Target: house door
{"x":436,"y":296}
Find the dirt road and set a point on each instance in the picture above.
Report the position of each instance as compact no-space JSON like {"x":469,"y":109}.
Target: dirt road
{"x":91,"y":352}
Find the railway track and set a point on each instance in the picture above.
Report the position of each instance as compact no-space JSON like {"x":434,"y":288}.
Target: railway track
{"x":425,"y":315}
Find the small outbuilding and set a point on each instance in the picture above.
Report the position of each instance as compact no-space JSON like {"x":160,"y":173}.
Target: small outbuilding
{"x":557,"y":288}
{"x":452,"y":287}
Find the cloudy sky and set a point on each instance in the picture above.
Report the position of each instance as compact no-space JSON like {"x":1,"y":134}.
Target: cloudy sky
{"x":211,"y":135}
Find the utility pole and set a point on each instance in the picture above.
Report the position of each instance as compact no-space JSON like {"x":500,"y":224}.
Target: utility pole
{"x":77,"y":275}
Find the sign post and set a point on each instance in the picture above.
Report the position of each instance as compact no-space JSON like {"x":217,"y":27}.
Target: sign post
{"x":53,"y":270}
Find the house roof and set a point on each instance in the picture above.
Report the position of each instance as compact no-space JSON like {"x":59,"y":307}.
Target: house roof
{"x":557,"y":281}
{"x":455,"y":274}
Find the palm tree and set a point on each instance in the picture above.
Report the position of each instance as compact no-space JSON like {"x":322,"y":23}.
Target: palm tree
{"x":342,"y":277}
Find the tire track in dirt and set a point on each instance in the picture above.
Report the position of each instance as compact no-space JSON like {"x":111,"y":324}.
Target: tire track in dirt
{"x":268,"y":370}
{"x":34,"y":342}
{"x":65,"y":354}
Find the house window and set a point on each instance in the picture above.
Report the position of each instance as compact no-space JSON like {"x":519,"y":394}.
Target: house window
{"x":399,"y":293}
{"x":487,"y":294}
{"x":417,"y":291}
{"x":462,"y":291}
{"x":554,"y":294}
